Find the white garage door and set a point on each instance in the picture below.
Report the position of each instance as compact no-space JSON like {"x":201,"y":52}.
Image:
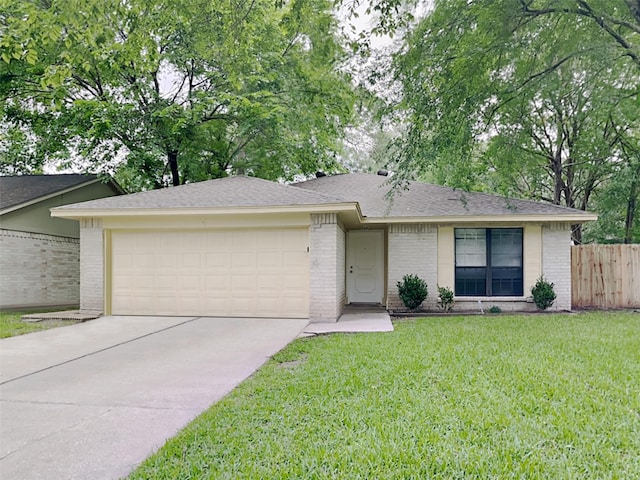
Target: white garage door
{"x":235,"y":273}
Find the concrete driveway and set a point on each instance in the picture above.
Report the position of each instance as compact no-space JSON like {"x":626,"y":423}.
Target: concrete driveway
{"x":93,"y":400}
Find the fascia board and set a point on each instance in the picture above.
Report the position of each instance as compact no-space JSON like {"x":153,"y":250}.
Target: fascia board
{"x":586,"y":217}
{"x":77,"y":213}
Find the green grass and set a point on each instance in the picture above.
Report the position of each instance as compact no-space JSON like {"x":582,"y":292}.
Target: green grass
{"x":11,"y":325}
{"x":540,"y":396}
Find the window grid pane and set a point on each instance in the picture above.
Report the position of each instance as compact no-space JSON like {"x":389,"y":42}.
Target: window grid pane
{"x":471,"y":247}
{"x":506,"y":247}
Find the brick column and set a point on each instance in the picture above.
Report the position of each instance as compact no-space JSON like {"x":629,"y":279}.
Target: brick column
{"x":91,"y":265}
{"x":556,"y":262}
{"x":326,"y":263}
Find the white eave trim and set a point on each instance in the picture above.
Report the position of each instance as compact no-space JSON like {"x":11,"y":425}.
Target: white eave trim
{"x":78,"y":213}
{"x":454,"y":219}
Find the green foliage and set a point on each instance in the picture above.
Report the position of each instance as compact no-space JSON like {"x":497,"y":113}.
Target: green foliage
{"x":412,"y":290}
{"x":168,"y":91}
{"x":528,"y":99}
{"x":495,"y":309}
{"x":543,"y":294}
{"x":445,"y":298}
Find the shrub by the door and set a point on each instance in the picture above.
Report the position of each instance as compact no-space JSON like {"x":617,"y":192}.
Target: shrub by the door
{"x":413,"y":291}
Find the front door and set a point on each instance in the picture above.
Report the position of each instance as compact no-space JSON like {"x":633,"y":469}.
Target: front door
{"x":365,"y":266}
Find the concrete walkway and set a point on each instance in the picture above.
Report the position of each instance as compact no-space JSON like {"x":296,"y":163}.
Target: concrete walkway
{"x":354,"y":320}
{"x":93,"y":400}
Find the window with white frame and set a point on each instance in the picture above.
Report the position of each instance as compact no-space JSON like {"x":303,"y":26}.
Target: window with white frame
{"x":488,"y":262}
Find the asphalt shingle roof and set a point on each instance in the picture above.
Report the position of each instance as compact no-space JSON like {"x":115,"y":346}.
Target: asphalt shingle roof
{"x":369,"y":191}
{"x":238,"y":191}
{"x":15,"y":190}
{"x":423,"y":199}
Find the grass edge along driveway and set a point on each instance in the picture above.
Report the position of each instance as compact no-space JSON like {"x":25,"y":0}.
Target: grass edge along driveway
{"x":547,"y":396}
{"x":11,"y":325}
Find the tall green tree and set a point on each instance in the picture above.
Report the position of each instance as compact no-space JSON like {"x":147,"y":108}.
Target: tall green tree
{"x":169,"y":91}
{"x":526,"y":97}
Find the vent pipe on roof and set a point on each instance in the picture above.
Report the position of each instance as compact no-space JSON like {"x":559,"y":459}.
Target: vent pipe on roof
{"x":320,"y":174}
{"x":383,"y":173}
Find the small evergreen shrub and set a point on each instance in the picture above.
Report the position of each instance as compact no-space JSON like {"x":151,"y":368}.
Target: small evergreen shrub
{"x":495,"y":309}
{"x":543,"y":294}
{"x":412,"y":290}
{"x":445,"y":298}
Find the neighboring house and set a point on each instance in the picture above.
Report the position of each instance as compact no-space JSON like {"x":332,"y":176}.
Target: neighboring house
{"x":245,"y":247}
{"x":40,"y":255}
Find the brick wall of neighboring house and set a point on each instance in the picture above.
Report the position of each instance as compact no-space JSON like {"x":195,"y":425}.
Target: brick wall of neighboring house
{"x":91,"y":265}
{"x":556,"y":262}
{"x":412,"y":249}
{"x":326,"y":258}
{"x":38,"y":270}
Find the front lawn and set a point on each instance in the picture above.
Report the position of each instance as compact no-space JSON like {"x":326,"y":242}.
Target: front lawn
{"x":538,"y":396}
{"x":11,"y":325}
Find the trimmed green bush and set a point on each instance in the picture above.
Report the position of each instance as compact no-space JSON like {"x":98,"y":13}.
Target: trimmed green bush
{"x":413,"y":291}
{"x":495,"y":309}
{"x":445,"y":298}
{"x":543,"y":293}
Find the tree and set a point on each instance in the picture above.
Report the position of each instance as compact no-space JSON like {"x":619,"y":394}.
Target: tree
{"x":181,"y":90}
{"x":507,"y":96}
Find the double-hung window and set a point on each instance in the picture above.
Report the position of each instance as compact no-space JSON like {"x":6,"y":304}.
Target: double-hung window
{"x":488,"y":262}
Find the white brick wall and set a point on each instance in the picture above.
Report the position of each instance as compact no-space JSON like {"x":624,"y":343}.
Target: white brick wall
{"x":413,"y":249}
{"x":38,"y":270}
{"x":341,"y":281}
{"x":91,"y":265}
{"x":326,"y":250}
{"x":556,"y":262}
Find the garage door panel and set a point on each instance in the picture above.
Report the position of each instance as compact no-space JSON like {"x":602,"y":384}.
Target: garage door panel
{"x":268,"y":283}
{"x":219,"y":283}
{"x":165,"y":284}
{"x":141,"y":282}
{"x":189,"y":282}
{"x":243,"y":282}
{"x":211,"y":273}
{"x":243,"y":260}
{"x":218,"y":260}
{"x":191,"y":305}
{"x":190,"y":261}
{"x":271,"y":260}
{"x":294,"y":259}
{"x":142,"y":260}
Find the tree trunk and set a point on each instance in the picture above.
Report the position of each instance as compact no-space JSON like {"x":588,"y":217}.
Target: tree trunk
{"x":576,"y":234}
{"x":172,"y":159}
{"x":558,"y":183}
{"x":631,"y":211}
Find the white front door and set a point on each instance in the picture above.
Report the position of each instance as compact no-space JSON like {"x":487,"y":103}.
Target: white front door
{"x":365,"y":266}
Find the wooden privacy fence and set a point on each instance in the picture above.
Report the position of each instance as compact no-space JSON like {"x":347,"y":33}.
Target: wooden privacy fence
{"x":605,"y":276}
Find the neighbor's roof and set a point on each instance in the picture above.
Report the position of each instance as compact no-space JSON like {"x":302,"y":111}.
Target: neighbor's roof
{"x":365,"y":194}
{"x":22,"y":190}
{"x":373,"y":194}
{"x":240,"y":191}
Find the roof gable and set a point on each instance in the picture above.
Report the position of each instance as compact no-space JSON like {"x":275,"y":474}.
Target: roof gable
{"x":19,"y":190}
{"x":240,"y":191}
